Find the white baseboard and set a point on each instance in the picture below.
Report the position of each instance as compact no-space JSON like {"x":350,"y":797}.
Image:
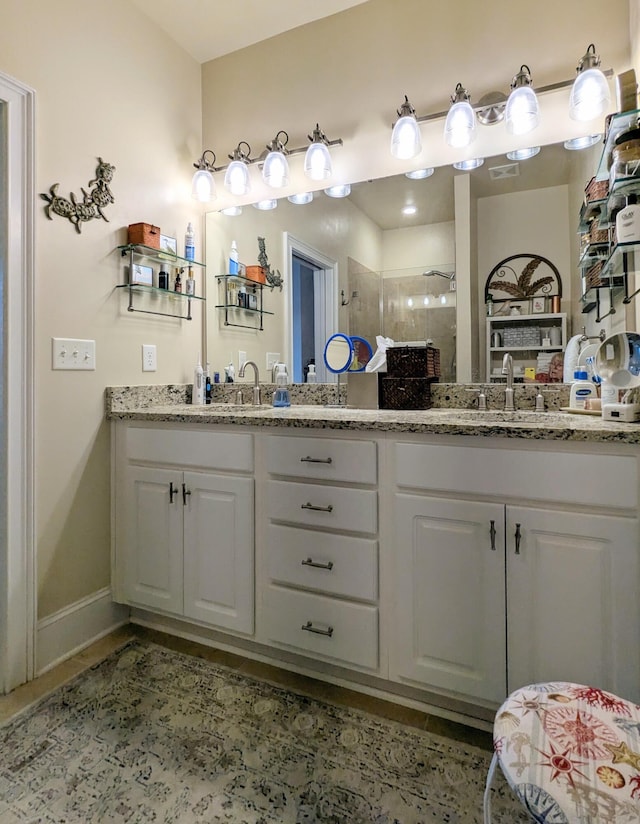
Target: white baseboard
{"x":67,"y":632}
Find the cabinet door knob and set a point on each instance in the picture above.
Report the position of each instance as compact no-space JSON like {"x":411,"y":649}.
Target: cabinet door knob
{"x":172,"y":491}
{"x":310,"y":562}
{"x":317,"y":508}
{"x":518,"y":536}
{"x":185,"y":492}
{"x":308,"y":627}
{"x":492,"y":533}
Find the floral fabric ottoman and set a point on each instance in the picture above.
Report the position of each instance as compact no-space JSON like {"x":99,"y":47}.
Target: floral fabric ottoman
{"x":571,"y":753}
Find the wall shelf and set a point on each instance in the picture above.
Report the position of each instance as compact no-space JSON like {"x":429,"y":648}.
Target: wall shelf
{"x":524,"y":354}
{"x":236,"y":313}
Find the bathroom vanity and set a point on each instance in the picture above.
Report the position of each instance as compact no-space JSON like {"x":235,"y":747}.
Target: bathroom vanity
{"x":441,"y":558}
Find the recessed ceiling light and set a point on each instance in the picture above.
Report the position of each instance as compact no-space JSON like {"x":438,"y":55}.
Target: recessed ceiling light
{"x":419,"y":174}
{"x":581,"y":142}
{"x":523,"y":154}
{"x":409,"y":210}
{"x":467,"y":165}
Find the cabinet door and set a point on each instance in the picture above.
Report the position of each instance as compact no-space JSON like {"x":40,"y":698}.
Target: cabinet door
{"x":449,"y":594}
{"x":152,"y":538}
{"x":572,"y":596}
{"x":219,"y":550}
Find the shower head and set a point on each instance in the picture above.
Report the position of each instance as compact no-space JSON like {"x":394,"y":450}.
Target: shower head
{"x":446,"y":275}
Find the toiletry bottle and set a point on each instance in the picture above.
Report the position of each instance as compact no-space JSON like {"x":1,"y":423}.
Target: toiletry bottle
{"x":163,"y":279}
{"x":177,"y":284}
{"x":233,"y":259}
{"x":608,"y":393}
{"x":197,"y":394}
{"x":581,"y":390}
{"x":189,"y":243}
{"x":207,"y":383}
{"x":628,"y":221}
{"x":281,"y":395}
{"x":311,"y":374}
{"x":229,"y":373}
{"x":190,"y":283}
{"x":242,"y":297}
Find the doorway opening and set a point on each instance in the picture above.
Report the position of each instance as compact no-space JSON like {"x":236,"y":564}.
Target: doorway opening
{"x":312,"y":308}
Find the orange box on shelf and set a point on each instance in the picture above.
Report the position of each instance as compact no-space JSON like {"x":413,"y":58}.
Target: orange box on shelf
{"x":256,"y":273}
{"x":145,"y":234}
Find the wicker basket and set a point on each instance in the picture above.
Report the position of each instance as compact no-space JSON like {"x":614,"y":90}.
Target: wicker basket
{"x":404,"y":393}
{"x":596,"y":189}
{"x":144,"y":234}
{"x":413,"y":362}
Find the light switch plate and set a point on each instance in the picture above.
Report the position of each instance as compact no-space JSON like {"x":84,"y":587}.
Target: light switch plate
{"x":73,"y":354}
{"x":149,"y":362}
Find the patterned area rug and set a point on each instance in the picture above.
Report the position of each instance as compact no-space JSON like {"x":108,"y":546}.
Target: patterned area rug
{"x":151,"y":735}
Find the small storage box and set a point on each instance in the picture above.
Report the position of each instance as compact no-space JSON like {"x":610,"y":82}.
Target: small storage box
{"x":413,"y":362}
{"x":405,"y":393}
{"x":144,"y":234}
{"x":256,"y":273}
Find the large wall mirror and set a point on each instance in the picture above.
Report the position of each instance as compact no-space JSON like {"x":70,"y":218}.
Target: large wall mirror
{"x":357,"y":265}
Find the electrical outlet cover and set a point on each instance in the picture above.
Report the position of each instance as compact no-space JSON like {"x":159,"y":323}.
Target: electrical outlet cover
{"x":149,"y":363}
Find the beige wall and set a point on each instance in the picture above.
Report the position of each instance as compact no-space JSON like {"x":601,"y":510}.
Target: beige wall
{"x":108,"y":84}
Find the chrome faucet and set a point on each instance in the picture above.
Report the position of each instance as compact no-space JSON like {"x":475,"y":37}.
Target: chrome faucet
{"x":257,"y":400}
{"x":507,"y":369}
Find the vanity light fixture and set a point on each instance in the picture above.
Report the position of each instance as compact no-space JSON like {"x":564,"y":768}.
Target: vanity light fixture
{"x":203,"y":186}
{"x":266,"y":205}
{"x":275,"y":171}
{"x":232,"y":211}
{"x":317,"y":161}
{"x":405,"y":137}
{"x":577,"y":143}
{"x":301,"y":198}
{"x":522,"y":113}
{"x":468,"y":165}
{"x":590,"y":94}
{"x":340,"y":190}
{"x":523,"y":154}
{"x":460,"y":124}
{"x":236,"y":178}
{"x":419,"y":174}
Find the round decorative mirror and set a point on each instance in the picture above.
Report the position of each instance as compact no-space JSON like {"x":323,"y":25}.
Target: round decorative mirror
{"x":338,"y":353}
{"x":362,"y":353}
{"x":618,"y":360}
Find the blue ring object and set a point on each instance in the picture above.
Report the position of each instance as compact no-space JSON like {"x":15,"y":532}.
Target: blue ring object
{"x":342,"y":337}
{"x":368,"y":351}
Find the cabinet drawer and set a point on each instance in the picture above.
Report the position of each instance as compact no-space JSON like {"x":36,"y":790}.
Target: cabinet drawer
{"x":335,"y":564}
{"x":344,"y":632}
{"x":186,"y":448}
{"x":355,"y":510}
{"x":591,"y":480}
{"x":322,"y":458}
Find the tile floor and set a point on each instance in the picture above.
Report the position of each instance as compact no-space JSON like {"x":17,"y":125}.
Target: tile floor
{"x":27,"y":694}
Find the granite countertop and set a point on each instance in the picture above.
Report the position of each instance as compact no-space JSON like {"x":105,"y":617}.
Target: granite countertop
{"x":136,"y":404}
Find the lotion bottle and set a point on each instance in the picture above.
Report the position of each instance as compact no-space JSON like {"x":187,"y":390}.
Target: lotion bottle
{"x":581,"y":390}
{"x":197,"y":394}
{"x":189,"y":243}
{"x":233,"y":259}
{"x":190,"y":283}
{"x":628,"y":221}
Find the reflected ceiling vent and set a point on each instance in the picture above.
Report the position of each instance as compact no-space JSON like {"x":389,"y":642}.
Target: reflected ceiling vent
{"x":508,"y":170}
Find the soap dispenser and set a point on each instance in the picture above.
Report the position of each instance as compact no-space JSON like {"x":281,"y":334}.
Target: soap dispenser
{"x":281,"y":395}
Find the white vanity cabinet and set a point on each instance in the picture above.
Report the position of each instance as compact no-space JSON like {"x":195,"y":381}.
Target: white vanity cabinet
{"x":492,"y":594}
{"x":185,"y":524}
{"x":320,"y":583}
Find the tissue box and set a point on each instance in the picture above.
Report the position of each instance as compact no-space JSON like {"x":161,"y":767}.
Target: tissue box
{"x":362,"y":390}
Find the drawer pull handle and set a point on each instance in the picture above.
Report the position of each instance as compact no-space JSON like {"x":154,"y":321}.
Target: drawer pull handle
{"x":317,"y":508}
{"x":492,"y":533}
{"x":308,"y":627}
{"x":172,"y":491}
{"x":309,"y":459}
{"x":316,"y":565}
{"x":518,"y":536}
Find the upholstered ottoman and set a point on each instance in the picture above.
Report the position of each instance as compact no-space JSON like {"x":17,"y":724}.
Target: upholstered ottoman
{"x":570,"y":753}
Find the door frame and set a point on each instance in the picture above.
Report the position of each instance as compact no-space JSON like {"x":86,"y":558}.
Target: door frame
{"x":17,"y":513}
{"x":326,"y":297}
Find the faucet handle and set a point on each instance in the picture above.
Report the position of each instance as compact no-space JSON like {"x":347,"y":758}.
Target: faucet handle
{"x":482,"y":398}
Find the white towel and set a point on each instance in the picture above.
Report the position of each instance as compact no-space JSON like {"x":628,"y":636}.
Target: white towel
{"x":571,"y":354}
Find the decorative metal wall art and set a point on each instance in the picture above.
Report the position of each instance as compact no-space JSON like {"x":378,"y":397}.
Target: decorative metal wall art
{"x":513,"y":279}
{"x":273,"y":278}
{"x":79,"y":211}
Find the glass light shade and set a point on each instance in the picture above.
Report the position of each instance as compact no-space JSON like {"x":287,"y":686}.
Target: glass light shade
{"x":317,"y":162}
{"x":232,"y":211}
{"x":590,"y":95}
{"x":275,"y":171}
{"x":468,"y":165}
{"x":522,"y":113}
{"x":203,"y":186}
{"x":405,"y":138}
{"x":301,"y":198}
{"x":577,"y":143}
{"x":342,"y":190}
{"x":419,"y":174}
{"x":266,"y":205}
{"x":523,"y":154}
{"x":236,"y":178}
{"x":460,"y":125}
